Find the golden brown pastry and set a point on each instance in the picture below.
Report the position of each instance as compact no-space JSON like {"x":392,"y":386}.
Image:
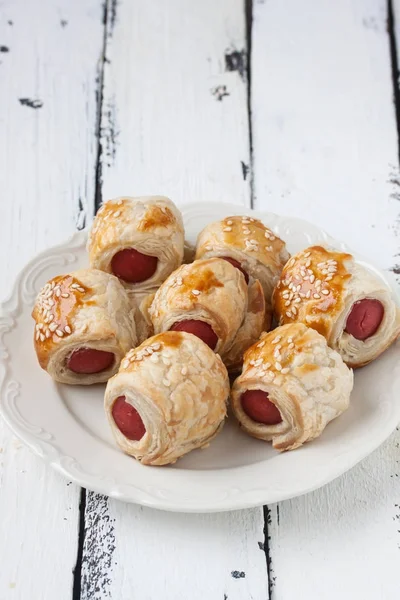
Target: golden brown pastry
{"x":256,"y":320}
{"x":140,"y":240}
{"x":292,"y":385}
{"x":168,"y":398}
{"x":207,"y":298}
{"x":249,"y":246}
{"x":344,"y":301}
{"x":84,"y":325}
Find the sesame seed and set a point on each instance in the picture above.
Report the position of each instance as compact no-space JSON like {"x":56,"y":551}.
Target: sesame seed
{"x":196,"y":292}
{"x":291,"y":345}
{"x":59,"y":332}
{"x":288,"y":314}
{"x":53,"y":326}
{"x":252,"y":362}
{"x":166,"y":382}
{"x":125,"y":364}
{"x":267,"y":365}
{"x":318,"y":282}
{"x":297,"y":300}
{"x":307,"y":254}
{"x":276,"y":339}
{"x":157,"y":346}
{"x":64,"y":295}
{"x":80,"y":289}
{"x":67,"y":329}
{"x":229,"y":222}
{"x":48,"y":333}
{"x":117,"y":213}
{"x":154,"y":358}
{"x":331,"y":269}
{"x":246,"y":231}
{"x":287,"y":303}
{"x":37,"y":335}
{"x":298,"y":288}
{"x":312,"y":278}
{"x":278,"y":366}
{"x":308,"y":295}
{"x":42,"y":337}
{"x":245,"y":221}
{"x":316,"y":296}
{"x":325,"y":292}
{"x":285,"y":370}
{"x":258,"y":362}
{"x":261,"y":344}
{"x":294,"y":310}
{"x":329,"y":278}
{"x":184,"y":370}
{"x":227,"y":229}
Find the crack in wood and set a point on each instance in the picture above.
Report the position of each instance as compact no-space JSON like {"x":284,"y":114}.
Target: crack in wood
{"x":77,"y":572}
{"x":266,"y":548}
{"x":4,"y":49}
{"x":249,"y":33}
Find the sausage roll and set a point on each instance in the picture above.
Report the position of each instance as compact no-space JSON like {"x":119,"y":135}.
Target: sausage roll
{"x":247,"y":244}
{"x":168,"y":398}
{"x":207,"y":298}
{"x":140,"y":240}
{"x":257,"y":319}
{"x":84,"y":325}
{"x":344,"y":301}
{"x":292,"y":385}
{"x":141,"y":303}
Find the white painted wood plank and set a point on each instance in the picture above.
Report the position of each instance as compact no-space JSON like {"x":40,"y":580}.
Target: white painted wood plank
{"x":174,"y":115}
{"x":165,"y":131}
{"x":325,"y":149}
{"x":49,"y":52}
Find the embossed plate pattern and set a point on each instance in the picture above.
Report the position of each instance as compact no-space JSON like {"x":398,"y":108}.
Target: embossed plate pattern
{"x":66,"y":426}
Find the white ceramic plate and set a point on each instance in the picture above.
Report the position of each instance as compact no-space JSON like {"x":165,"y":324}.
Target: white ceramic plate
{"x":66,"y":425}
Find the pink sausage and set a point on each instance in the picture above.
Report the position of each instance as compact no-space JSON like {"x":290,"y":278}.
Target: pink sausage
{"x":133,"y":266}
{"x":87,"y":360}
{"x":364,"y":318}
{"x":127,"y":419}
{"x":202,"y":330}
{"x":237,"y":264}
{"x":258,"y":407}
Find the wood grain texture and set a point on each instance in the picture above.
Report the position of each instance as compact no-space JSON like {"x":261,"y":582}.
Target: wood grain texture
{"x":325,"y":149}
{"x":174,"y":121}
{"x":49,"y":52}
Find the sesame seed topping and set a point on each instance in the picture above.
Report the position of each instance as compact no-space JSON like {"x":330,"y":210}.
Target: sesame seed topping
{"x":53,"y":326}
{"x":267,"y":365}
{"x":246,"y":231}
{"x":278,"y":366}
{"x":329,"y":278}
{"x":67,"y":329}
{"x":316,"y":296}
{"x":117,"y":213}
{"x":65,"y":295}
{"x":261,"y":344}
{"x":227,"y":229}
{"x":276,"y":339}
{"x":37,"y":336}
{"x":307,"y":254}
{"x":285,"y":370}
{"x":297,"y":300}
{"x":196,"y":292}
{"x":288,"y":314}
{"x":154,"y":357}
{"x":184,"y":370}
{"x":308,"y":295}
{"x":59,"y":332}
{"x":312,"y":278}
{"x":287,"y":303}
{"x":325,"y":292}
{"x":157,"y":346}
{"x":229,"y":222}
{"x":291,"y":346}
{"x":166,"y":382}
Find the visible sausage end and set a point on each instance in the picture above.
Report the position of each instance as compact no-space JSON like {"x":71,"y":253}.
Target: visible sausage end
{"x":202,"y":330}
{"x":128,"y":420}
{"x":238,"y":266}
{"x":87,"y":361}
{"x":132,"y":266}
{"x":257,"y":405}
{"x":364,"y":319}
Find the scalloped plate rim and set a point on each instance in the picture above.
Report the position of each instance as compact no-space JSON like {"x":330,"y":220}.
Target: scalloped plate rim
{"x":116,"y":490}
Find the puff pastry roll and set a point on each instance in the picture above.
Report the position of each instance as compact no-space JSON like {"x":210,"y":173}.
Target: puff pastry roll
{"x":84,"y":325}
{"x":348,"y":304}
{"x":249,"y":246}
{"x":292,"y":385}
{"x":140,"y":240}
{"x":257,"y":319}
{"x":168,"y":398}
{"x":207,"y":298}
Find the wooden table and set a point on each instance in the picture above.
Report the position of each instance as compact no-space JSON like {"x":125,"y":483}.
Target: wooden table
{"x":284,"y":105}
